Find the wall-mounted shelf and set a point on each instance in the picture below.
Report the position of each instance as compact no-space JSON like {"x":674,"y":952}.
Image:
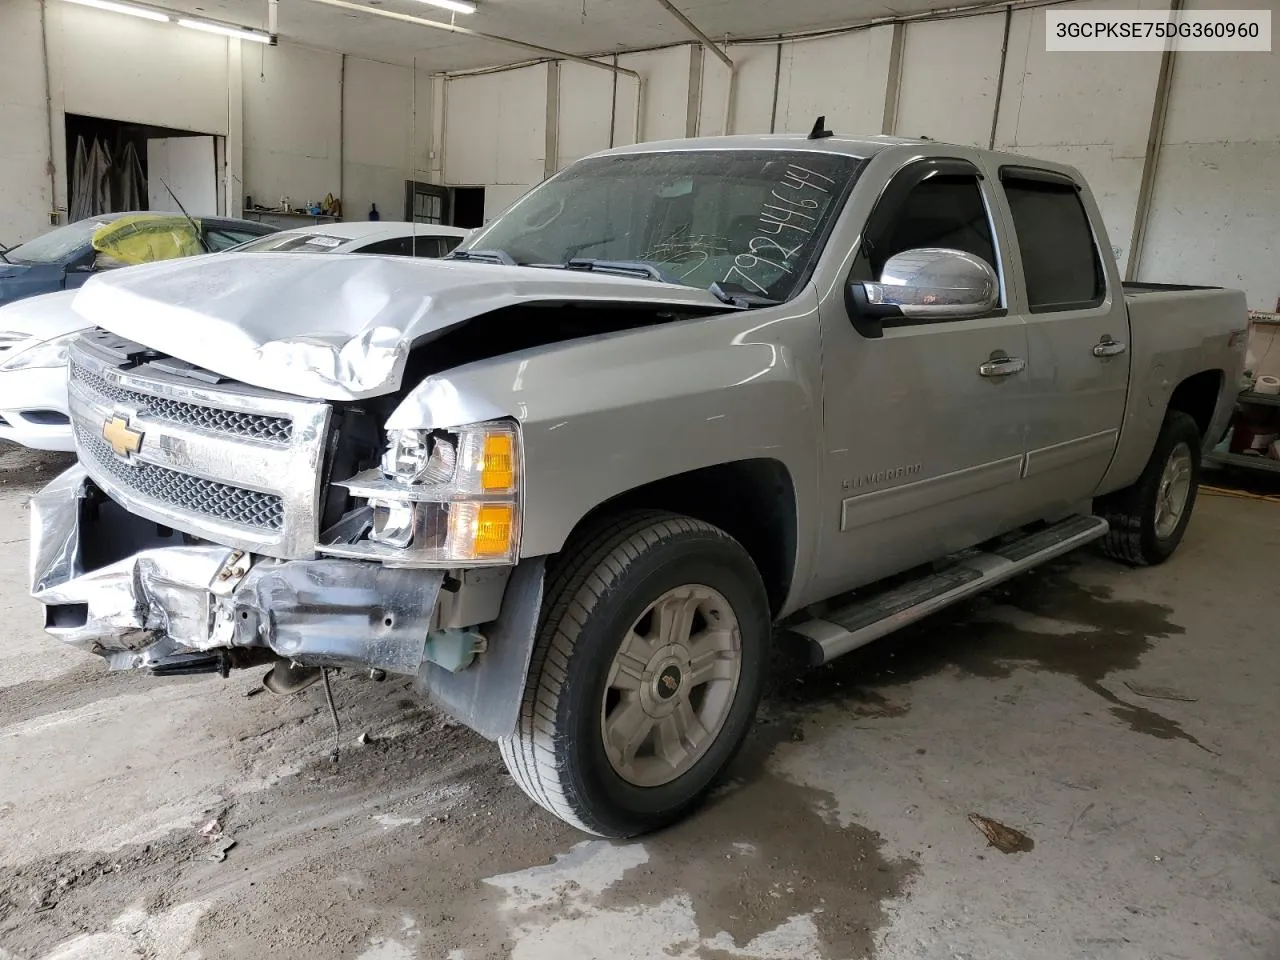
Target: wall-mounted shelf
{"x":1260,"y":399}
{"x":288,"y":218}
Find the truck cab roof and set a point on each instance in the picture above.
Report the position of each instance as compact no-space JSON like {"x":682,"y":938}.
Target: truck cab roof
{"x":861,"y":146}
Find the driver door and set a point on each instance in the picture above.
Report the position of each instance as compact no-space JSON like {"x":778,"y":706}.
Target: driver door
{"x":923,"y":436}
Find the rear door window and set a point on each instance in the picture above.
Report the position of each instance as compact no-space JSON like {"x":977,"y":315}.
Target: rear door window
{"x":1060,"y":260}
{"x":427,"y":247}
{"x":226,"y":239}
{"x":395,"y":247}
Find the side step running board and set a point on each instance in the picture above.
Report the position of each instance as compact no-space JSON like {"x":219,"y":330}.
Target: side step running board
{"x":877,"y":614}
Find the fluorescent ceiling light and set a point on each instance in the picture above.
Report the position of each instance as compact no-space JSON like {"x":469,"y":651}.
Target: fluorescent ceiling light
{"x":457,"y":6}
{"x":123,"y":8}
{"x":240,"y":33}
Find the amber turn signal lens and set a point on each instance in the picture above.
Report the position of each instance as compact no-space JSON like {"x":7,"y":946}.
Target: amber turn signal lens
{"x":498,"y":473}
{"x":494,"y":529}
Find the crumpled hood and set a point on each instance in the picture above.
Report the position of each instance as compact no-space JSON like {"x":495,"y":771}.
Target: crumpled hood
{"x":332,"y":327}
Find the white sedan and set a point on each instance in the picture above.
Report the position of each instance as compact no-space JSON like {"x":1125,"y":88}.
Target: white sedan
{"x":34,"y":332}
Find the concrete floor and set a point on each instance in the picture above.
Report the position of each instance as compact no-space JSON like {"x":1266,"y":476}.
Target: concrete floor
{"x":844,"y":832}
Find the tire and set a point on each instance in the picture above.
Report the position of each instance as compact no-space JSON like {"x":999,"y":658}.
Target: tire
{"x":1140,"y":533}
{"x":615,"y":584}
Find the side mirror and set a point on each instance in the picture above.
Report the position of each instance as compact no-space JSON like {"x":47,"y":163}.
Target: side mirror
{"x":930,"y":283}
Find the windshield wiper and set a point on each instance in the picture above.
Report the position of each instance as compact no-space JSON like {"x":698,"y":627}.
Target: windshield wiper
{"x":484,"y":256}
{"x":633,"y":268}
{"x":577,"y":248}
{"x":3,"y":251}
{"x":740,"y":298}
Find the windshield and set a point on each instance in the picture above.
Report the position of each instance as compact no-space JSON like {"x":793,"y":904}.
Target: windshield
{"x":295,"y":242}
{"x":751,"y":220}
{"x":57,"y":245}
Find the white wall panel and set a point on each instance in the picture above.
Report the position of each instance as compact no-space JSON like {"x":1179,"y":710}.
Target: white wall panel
{"x":25,"y":199}
{"x":496,"y":128}
{"x":1091,"y":110}
{"x":379,"y":128}
{"x":625,"y":105}
{"x":842,"y":78}
{"x":291,"y":126}
{"x":586,"y":95}
{"x":666,"y":93}
{"x":125,"y":68}
{"x":754,"y":68}
{"x":1215,"y":210}
{"x":949,"y":74}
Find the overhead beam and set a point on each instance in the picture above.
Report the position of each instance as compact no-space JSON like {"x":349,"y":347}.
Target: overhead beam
{"x":693,"y":28}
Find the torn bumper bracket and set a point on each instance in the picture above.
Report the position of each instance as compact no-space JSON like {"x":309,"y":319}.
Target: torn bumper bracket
{"x":338,"y":613}
{"x":160,"y":605}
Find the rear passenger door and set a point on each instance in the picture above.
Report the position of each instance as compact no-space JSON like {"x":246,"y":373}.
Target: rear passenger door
{"x":923,"y":449}
{"x":1077,"y":336}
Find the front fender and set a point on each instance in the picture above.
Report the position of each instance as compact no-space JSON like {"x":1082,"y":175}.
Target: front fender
{"x":607,"y":414}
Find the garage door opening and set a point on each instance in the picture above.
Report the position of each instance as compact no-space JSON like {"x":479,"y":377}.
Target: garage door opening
{"x":115,"y":166}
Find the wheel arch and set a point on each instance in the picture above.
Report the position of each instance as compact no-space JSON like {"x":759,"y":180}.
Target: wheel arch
{"x":1201,"y":394}
{"x":1197,"y":396}
{"x":753,"y":500}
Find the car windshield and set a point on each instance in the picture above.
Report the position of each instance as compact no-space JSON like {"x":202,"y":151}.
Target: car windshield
{"x":293,"y":242}
{"x":750,"y":220}
{"x":57,"y":245}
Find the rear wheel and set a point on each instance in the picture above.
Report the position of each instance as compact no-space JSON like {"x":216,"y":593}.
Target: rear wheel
{"x":1149,"y":518}
{"x":645,"y":677}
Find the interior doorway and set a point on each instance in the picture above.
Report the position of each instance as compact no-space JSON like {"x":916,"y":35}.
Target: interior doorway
{"x":468,"y":207}
{"x":115,"y":166}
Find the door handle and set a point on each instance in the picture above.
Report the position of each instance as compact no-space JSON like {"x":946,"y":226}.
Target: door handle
{"x":1106,"y":347}
{"x":1002,"y":366}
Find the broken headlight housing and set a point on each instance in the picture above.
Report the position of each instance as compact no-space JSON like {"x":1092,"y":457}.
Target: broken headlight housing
{"x":440,"y":498}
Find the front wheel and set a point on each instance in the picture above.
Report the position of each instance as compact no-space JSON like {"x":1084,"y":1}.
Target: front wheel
{"x":1149,"y":518}
{"x":645,"y":677}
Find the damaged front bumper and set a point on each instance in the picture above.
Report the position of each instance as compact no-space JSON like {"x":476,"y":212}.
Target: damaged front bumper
{"x":177,"y":598}
{"x":143,"y":596}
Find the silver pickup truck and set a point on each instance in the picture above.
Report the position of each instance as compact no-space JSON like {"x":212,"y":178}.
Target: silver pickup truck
{"x":574,"y":479}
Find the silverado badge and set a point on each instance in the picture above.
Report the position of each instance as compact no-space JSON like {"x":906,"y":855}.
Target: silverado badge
{"x":124,"y":440}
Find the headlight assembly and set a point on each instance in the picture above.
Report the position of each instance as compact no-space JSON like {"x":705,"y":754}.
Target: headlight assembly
{"x":49,"y":353}
{"x":442,"y":498}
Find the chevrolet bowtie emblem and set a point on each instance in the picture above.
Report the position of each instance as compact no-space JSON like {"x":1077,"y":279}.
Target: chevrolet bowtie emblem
{"x":124,"y":440}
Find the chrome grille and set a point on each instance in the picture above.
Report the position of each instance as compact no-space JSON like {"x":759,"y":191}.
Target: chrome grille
{"x":247,"y":508}
{"x":224,"y":461}
{"x":255,"y":425}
